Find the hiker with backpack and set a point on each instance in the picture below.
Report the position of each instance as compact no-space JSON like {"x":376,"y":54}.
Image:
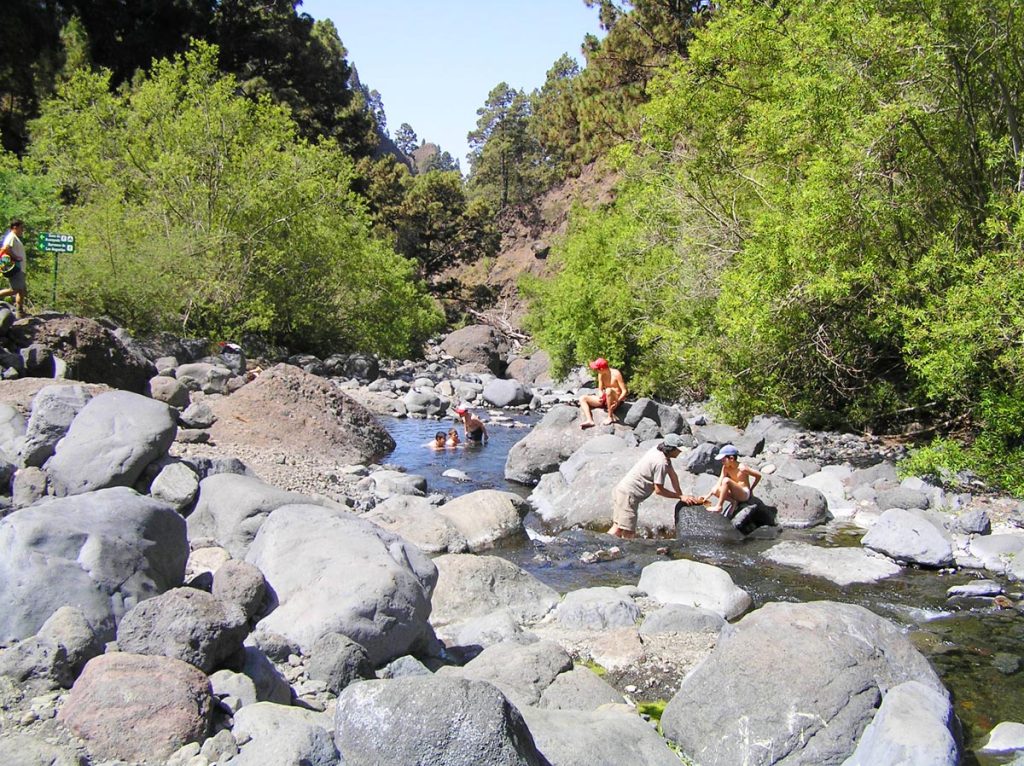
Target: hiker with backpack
{"x":13,"y":249}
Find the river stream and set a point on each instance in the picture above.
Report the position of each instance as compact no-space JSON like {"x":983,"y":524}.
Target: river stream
{"x":975,"y":647}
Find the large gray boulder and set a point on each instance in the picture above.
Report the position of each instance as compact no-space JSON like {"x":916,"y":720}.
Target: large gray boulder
{"x":805,"y":680}
{"x":114,"y":437}
{"x":204,"y":376}
{"x":278,"y":734}
{"x":914,"y":725}
{"x":693,"y":583}
{"x":25,"y":749}
{"x":231,"y":509}
{"x":12,"y":430}
{"x":531,"y":370}
{"x":184,"y":623}
{"x":332,"y":572}
{"x":550,"y":442}
{"x":596,"y":609}
{"x":431,"y":720}
{"x":162,"y":702}
{"x":478,"y":343}
{"x":417,"y":520}
{"x":579,"y":689}
{"x":796,"y":506}
{"x":53,"y":410}
{"x":471,"y":586}
{"x":772,"y":428}
{"x":909,"y":535}
{"x":487,"y":517}
{"x":597,"y":738}
{"x":102,"y":552}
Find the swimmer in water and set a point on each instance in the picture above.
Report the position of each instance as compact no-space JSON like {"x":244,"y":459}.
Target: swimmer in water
{"x":453,"y":438}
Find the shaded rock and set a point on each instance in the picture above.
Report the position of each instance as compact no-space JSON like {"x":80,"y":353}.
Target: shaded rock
{"x":186,"y":624}
{"x":915,"y":724}
{"x":596,"y":609}
{"x":24,"y":749}
{"x":102,"y":552}
{"x":207,"y":377}
{"x":693,"y":583}
{"x":40,"y":662}
{"x":285,"y":407}
{"x":92,"y":353}
{"x":270,"y":685}
{"x":417,"y":520}
{"x":197,"y":415}
{"x":339,"y":661}
{"x":68,"y":629}
{"x":232,"y":508}
{"x":772,"y":428}
{"x":718,"y":434}
{"x":276,"y":734}
{"x":843,"y":566}
{"x":831,"y":485}
{"x":481,"y":344}
{"x":639,"y":410}
{"x":701,"y":459}
{"x":239,"y":582}
{"x":535,"y":368}
{"x":472,"y":586}
{"x":973,"y":522}
{"x":403,"y":667}
{"x":597,"y":738}
{"x":486,"y":517}
{"x":909,"y":536}
{"x":436,"y":720}
{"x":671,"y":420}
{"x":27,"y":487}
{"x":579,"y":689}
{"x":53,"y":410}
{"x":804,"y":678}
{"x":163,"y":702}
{"x":680,"y":618}
{"x":477,"y":633}
{"x":371,"y":585}
{"x":548,"y":443}
{"x":12,"y":429}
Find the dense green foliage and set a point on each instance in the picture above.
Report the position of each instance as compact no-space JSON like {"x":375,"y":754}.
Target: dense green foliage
{"x":821,"y":218}
{"x":200,"y":209}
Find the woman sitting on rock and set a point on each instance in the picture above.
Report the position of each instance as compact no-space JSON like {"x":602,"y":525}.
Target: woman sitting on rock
{"x":734,"y":485}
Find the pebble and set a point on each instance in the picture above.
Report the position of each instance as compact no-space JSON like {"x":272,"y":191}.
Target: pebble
{"x":28,"y":718}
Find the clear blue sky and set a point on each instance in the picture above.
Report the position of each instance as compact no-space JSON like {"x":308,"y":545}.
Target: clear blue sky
{"x":434,"y":63}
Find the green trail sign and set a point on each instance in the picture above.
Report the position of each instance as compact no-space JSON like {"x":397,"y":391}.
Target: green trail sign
{"x":51,"y":242}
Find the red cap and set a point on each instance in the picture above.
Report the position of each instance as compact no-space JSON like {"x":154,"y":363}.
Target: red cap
{"x":599,"y":364}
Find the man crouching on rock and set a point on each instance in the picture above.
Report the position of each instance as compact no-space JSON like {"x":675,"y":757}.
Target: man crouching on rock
{"x":647,"y":477}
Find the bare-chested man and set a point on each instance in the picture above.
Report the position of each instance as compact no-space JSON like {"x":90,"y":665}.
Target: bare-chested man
{"x":611,"y":390}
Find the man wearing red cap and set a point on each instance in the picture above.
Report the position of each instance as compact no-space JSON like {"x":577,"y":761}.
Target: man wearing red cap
{"x":611,"y":390}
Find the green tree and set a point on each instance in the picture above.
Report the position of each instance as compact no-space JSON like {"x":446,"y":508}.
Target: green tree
{"x":503,"y":158}
{"x":406,"y":139}
{"x":199,"y":209}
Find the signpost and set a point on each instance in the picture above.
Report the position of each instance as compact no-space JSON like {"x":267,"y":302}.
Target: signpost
{"x":51,"y":242}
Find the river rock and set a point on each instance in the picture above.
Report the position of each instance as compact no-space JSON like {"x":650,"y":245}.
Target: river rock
{"x":24,"y":749}
{"x":638,"y":410}
{"x":101,"y":551}
{"x":596,"y":609}
{"x":91,"y":352}
{"x":438,"y":720}
{"x":829,"y":482}
{"x":915,"y":724}
{"x":975,"y":589}
{"x":168,"y":390}
{"x":294,"y":411}
{"x":370,"y":584}
{"x":718,"y":434}
{"x":909,"y":536}
{"x":974,"y":521}
{"x":276,"y":734}
{"x":487,"y":517}
{"x":164,"y":703}
{"x":338,"y":661}
{"x":680,"y":618}
{"x":475,"y":634}
{"x":385,"y":484}
{"x":418,"y":521}
{"x":184,"y":623}
{"x":204,"y":376}
{"x":113,"y":438}
{"x":804,"y":678}
{"x":693,"y":583}
{"x":843,"y":566}
{"x":772,"y":428}
{"x":471,"y":586}
{"x":239,"y":582}
{"x":424,"y":403}
{"x":53,"y":410}
{"x":542,"y":450}
{"x":701,"y":460}
{"x":197,"y":415}
{"x":521,"y":671}
{"x":232,"y":508}
{"x":534,"y":369}
{"x":901,"y":497}
{"x":1006,"y":737}
{"x":176,"y":485}
{"x":597,"y":738}
{"x":579,"y":689}
{"x":796,"y":506}
{"x":12,"y":430}
{"x":999,"y":553}
{"x":480,"y":344}
{"x":502,"y":392}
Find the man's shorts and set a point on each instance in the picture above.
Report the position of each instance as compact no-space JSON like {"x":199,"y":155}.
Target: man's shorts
{"x":624,"y":508}
{"x":17,"y":279}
